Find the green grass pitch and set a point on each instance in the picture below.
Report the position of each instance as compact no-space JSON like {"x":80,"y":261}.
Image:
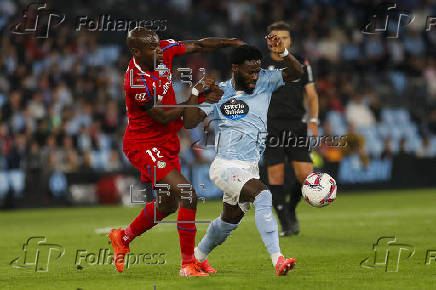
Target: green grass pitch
{"x":332,"y":243}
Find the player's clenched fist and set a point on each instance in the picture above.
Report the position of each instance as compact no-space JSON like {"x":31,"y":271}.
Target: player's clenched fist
{"x":205,"y":83}
{"x":275,"y":44}
{"x":213,"y":94}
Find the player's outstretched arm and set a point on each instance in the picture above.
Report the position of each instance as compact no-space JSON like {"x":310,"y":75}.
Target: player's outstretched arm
{"x":312,"y":100}
{"x":294,"y":69}
{"x":162,"y":115}
{"x":192,"y":116}
{"x":210,"y":44}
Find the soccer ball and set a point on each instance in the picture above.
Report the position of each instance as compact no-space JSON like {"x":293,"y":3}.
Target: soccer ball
{"x":319,"y":189}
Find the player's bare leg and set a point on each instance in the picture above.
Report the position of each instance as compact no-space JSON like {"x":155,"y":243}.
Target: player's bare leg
{"x":185,"y":221}
{"x":302,"y":170}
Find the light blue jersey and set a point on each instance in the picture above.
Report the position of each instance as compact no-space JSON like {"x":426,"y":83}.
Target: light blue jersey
{"x":240,"y":119}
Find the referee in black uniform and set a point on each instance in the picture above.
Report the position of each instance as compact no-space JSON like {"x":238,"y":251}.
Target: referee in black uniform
{"x":285,"y":116}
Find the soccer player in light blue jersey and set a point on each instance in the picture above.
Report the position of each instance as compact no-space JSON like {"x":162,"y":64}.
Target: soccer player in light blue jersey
{"x":240,"y":118}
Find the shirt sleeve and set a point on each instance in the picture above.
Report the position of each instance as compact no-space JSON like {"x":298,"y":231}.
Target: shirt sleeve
{"x":209,"y":110}
{"x":308,"y":74}
{"x":274,"y":78}
{"x":172,"y":47}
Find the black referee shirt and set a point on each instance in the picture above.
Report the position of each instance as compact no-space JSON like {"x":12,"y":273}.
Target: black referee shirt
{"x":287,"y":102}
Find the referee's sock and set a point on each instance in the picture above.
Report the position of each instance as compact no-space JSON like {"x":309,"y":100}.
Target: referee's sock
{"x":295,"y":196}
{"x":279,"y":203}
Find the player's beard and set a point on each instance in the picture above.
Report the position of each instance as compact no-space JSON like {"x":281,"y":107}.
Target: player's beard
{"x":242,"y":83}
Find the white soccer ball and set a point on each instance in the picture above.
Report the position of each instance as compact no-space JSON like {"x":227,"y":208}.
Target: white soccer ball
{"x":319,"y":189}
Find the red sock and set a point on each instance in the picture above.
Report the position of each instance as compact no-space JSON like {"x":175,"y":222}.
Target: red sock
{"x":187,"y":233}
{"x":143,"y":222}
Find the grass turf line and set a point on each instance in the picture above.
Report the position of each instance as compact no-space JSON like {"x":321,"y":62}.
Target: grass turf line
{"x":332,"y":243}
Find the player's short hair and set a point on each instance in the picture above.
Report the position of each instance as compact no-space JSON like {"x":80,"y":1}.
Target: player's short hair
{"x":243,"y":53}
{"x":279,"y":25}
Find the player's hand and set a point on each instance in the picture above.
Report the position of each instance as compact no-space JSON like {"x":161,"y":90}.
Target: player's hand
{"x":275,"y":44}
{"x":213,"y":94}
{"x":205,"y":83}
{"x":237,"y":42}
{"x":312,"y":128}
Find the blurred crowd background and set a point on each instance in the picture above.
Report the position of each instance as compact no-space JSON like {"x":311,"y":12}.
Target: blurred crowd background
{"x":62,"y":106}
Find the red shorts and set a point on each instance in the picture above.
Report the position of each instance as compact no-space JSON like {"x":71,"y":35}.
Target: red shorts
{"x":153,"y":162}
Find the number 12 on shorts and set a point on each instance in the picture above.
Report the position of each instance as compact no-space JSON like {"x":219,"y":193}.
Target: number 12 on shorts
{"x":156,"y":151}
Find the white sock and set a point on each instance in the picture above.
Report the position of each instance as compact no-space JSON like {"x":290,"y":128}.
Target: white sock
{"x":275,"y":257}
{"x":199,"y":255}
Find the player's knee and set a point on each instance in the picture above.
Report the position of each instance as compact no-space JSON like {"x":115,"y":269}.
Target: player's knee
{"x":172,"y":207}
{"x":301,"y":175}
{"x":276,"y":178}
{"x":168,"y":208}
{"x":232,"y":218}
{"x":251,"y":189}
{"x":189,"y":201}
{"x":276,"y":175}
{"x":261,"y":187}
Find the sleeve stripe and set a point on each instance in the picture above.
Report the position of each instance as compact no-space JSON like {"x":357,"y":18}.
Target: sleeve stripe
{"x":171,"y":45}
{"x":145,"y":85}
{"x":309,"y":73}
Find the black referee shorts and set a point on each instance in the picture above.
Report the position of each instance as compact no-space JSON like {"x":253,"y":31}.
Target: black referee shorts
{"x":289,"y":143}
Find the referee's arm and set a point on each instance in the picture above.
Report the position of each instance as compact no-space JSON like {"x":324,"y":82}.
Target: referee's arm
{"x":312,"y":102}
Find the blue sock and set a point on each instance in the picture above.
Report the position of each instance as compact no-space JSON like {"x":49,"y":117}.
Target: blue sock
{"x":216,"y":234}
{"x":266,"y":222}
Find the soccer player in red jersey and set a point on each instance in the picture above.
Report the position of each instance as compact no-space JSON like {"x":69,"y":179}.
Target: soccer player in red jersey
{"x":151,"y":143}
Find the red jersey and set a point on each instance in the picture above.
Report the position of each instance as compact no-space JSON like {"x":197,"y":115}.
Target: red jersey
{"x":139,"y":86}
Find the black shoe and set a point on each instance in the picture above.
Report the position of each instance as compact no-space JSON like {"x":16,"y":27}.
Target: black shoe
{"x":286,"y":234}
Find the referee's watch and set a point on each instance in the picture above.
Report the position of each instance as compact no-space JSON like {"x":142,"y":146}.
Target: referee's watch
{"x":314,"y":120}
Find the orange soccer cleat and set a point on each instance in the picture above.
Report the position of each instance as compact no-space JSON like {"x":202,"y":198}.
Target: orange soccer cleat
{"x":283,"y":266}
{"x":120,"y":249}
{"x":192,"y":270}
{"x":205,"y":267}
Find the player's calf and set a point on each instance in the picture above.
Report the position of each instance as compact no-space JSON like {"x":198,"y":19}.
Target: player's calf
{"x":216,"y":234}
{"x":265,"y":221}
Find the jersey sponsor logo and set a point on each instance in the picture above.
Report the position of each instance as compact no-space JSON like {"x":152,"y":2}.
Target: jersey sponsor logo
{"x":161,"y":164}
{"x":166,"y":86}
{"x":164,"y":71}
{"x":234,"y":109}
{"x":142,"y":97}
